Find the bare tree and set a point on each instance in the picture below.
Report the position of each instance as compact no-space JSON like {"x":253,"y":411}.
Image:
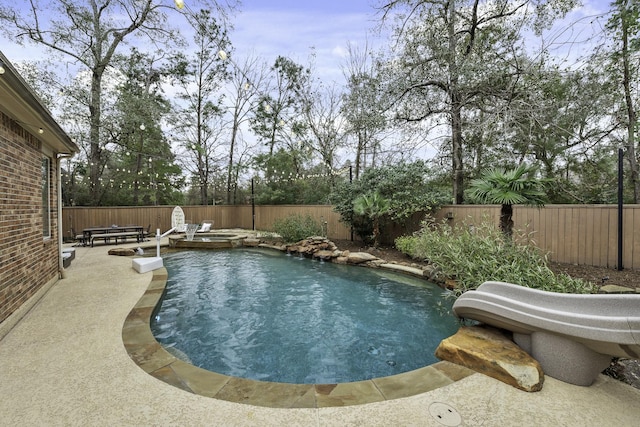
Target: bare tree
{"x":90,"y":33}
{"x":200,"y":78}
{"x":362,"y":104}
{"x":326,"y":124}
{"x":244,"y":88}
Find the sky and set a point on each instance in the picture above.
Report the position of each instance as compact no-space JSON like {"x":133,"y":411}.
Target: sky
{"x":268,"y":28}
{"x":295,"y":28}
{"x":291,"y":28}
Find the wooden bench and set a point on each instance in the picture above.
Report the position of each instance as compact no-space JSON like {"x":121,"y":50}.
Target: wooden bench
{"x":122,"y":234}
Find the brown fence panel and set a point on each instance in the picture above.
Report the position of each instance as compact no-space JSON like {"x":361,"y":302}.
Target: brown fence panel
{"x":456,"y":215}
{"x":267,"y":215}
{"x":159,"y":217}
{"x":576,"y":234}
{"x":77,"y":218}
{"x":632,"y":233}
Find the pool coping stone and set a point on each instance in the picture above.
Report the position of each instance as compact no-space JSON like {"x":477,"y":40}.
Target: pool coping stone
{"x":150,"y":356}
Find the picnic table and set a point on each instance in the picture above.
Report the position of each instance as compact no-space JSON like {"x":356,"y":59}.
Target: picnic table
{"x":113,"y":232}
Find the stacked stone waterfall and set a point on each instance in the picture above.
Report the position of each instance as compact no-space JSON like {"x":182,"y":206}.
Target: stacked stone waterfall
{"x":319,"y":247}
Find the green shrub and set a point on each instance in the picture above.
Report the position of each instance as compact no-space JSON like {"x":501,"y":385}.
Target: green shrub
{"x":297,"y":227}
{"x":474,"y":254}
{"x":409,"y":187}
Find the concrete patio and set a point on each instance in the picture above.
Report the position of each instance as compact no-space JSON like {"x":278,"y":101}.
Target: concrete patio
{"x":65,"y":363}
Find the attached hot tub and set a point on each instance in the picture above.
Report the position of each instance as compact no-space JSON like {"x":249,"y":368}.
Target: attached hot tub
{"x":207,"y":241}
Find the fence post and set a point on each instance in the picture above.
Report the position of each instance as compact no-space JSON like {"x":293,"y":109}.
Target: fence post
{"x":620,"y":205}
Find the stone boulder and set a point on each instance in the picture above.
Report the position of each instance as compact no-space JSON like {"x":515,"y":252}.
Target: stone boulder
{"x":122,"y":251}
{"x":403,"y":269}
{"x":489,"y":351}
{"x":316,"y":247}
{"x":376,"y":263}
{"x":324,"y":254}
{"x":249,"y":242}
{"x":359,"y":257}
{"x":275,"y":247}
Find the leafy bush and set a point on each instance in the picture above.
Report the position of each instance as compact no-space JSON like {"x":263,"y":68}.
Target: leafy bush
{"x":474,"y":254}
{"x":297,"y":227}
{"x":409,"y":187}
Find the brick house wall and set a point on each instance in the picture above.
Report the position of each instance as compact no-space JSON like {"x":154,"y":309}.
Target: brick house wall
{"x":28,"y":259}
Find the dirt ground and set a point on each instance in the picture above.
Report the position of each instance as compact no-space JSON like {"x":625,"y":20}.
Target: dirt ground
{"x":624,"y":370}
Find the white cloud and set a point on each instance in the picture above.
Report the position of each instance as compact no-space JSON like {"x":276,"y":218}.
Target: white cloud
{"x":340,"y":51}
{"x":298,"y":33}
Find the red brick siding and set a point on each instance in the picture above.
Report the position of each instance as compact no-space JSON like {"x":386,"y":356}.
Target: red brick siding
{"x":27,"y":260}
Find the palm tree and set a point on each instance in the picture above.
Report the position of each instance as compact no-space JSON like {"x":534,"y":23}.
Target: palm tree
{"x":508,"y":188}
{"x":373,"y":206}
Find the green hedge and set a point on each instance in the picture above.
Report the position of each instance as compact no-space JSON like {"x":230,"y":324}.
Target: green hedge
{"x":296,"y":227}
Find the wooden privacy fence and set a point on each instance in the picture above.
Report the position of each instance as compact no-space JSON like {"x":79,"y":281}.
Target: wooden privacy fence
{"x":75,"y":218}
{"x":576,"y":234}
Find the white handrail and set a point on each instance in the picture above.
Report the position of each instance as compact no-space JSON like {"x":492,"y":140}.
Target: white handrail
{"x":160,"y":236}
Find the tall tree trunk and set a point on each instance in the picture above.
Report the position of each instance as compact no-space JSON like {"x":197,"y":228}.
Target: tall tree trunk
{"x":631,"y":113}
{"x":230,"y":187}
{"x":506,"y":220}
{"x":456,"y":148}
{"x":376,"y":231}
{"x":456,"y":110}
{"x":95,"y":150}
{"x":136,"y":182}
{"x":359,"y":152}
{"x":204,"y":182}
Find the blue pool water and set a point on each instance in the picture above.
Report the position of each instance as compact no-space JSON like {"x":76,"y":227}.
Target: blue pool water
{"x":268,"y":316}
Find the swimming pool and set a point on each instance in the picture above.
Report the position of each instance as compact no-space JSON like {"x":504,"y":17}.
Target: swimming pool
{"x":267,"y":316}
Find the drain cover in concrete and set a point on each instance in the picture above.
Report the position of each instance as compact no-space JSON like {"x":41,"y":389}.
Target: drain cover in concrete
{"x":445,"y":414}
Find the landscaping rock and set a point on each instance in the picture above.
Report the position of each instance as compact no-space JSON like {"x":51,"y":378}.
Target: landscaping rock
{"x":616,"y":289}
{"x":341,"y":260}
{"x":488,"y":351}
{"x":376,"y":263}
{"x":122,"y":251}
{"x":359,"y":257}
{"x":276,"y":247}
{"x":251,"y":242}
{"x":324,"y":255}
{"x":430,"y":272}
{"x":403,"y":269}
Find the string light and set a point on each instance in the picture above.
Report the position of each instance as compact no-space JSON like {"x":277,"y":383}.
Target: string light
{"x":26,"y":126}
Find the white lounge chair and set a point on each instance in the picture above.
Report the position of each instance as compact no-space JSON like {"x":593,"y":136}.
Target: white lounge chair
{"x":205,"y":227}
